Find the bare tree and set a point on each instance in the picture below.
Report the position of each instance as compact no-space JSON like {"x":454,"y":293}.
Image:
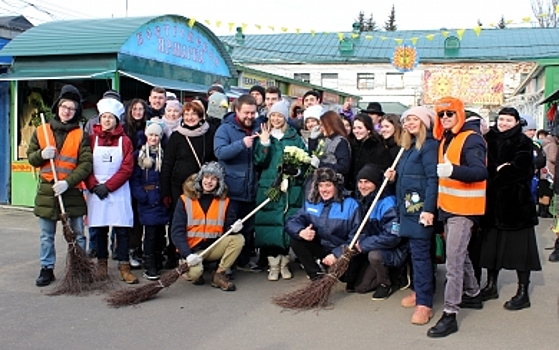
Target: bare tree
{"x":544,"y":10}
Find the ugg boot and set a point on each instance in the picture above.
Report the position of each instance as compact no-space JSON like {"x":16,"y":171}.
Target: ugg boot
{"x":520,"y":300}
{"x":284,"y":267}
{"x":274,"y":262}
{"x":408,"y":301}
{"x":422,"y":315}
{"x":151,"y":272}
{"x":125,"y":274}
{"x":101,"y":269}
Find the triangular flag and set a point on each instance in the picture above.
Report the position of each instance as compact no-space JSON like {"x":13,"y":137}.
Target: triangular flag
{"x":383,"y":38}
{"x":354,"y":36}
{"x":297,"y":30}
{"x":460,"y":33}
{"x":284,"y":29}
{"x":526,"y":19}
{"x":399,"y":41}
{"x":369,"y":37}
{"x":231,"y":25}
{"x":244,"y":26}
{"x":218,"y":24}
{"x":492,"y":24}
{"x":313,"y":32}
{"x":477,"y":30}
{"x":272,"y":28}
{"x":208,"y":22}
{"x":557,"y":9}
{"x":258,"y":26}
{"x":508,"y":21}
{"x":445,"y":33}
{"x":340,"y":36}
{"x":414,"y":40}
{"x":430,"y":37}
{"x":191,"y":22}
{"x":326,"y":32}
{"x":543,"y":15}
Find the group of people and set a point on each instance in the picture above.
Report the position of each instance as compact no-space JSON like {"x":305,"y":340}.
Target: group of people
{"x":202,"y":170}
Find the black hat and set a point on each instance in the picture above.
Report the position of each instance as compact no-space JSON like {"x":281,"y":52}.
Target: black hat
{"x":217,"y":88}
{"x":373,"y":108}
{"x":258,"y":89}
{"x":371,"y":172}
{"x":112,"y":94}
{"x":69,"y":92}
{"x":326,"y":175}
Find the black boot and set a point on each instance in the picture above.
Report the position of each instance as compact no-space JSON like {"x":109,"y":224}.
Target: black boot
{"x":46,"y":276}
{"x":544,"y":211}
{"x":445,"y":326}
{"x":469,"y":302}
{"x":520,"y":300}
{"x":554,"y":256}
{"x":151,"y":271}
{"x":490,"y":290}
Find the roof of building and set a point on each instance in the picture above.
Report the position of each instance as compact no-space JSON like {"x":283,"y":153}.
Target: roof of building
{"x":496,"y":45}
{"x":17,"y":23}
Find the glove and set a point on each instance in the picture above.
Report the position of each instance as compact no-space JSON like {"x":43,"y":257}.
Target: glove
{"x":167,"y":201}
{"x":237,"y":226}
{"x":60,"y":187}
{"x":315,"y":132}
{"x":193,"y":259}
{"x":445,"y":169}
{"x":48,"y":152}
{"x":315,"y":162}
{"x":101,"y":191}
{"x":284,"y":185}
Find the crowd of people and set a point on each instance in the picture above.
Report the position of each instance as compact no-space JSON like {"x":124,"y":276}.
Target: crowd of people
{"x":158,"y":181}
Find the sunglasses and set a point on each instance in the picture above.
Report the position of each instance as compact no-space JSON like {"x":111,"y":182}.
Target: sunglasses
{"x":449,"y":114}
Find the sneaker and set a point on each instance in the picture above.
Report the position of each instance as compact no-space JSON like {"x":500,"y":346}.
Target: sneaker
{"x":250,"y":267}
{"x":151,"y":275}
{"x":383,"y":292}
{"x":46,"y":276}
{"x":134,"y":263}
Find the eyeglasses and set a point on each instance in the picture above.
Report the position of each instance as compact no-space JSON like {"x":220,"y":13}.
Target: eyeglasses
{"x":449,"y":114}
{"x":67,"y":109}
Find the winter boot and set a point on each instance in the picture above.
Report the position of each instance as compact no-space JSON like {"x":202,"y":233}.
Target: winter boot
{"x":125,"y":274}
{"x":544,"y":212}
{"x":554,"y":256}
{"x":445,"y":326}
{"x":284,"y":267}
{"x":520,"y":300}
{"x":46,"y":276}
{"x":490,"y":290}
{"x":274,"y":262}
{"x":172,"y":261}
{"x":101,"y":269}
{"x":134,"y":263}
{"x":151,"y":272}
{"x":220,"y":280}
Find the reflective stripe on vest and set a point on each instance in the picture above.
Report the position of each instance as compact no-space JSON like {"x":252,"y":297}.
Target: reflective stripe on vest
{"x":67,"y":159}
{"x":457,"y":197}
{"x":201,"y":226}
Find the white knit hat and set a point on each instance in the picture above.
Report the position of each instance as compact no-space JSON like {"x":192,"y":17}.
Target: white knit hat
{"x":154,"y":126}
{"x":315,"y":112}
{"x":110,"y":105}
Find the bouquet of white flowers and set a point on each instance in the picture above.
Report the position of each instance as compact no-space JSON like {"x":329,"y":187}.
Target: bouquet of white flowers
{"x":292,"y":160}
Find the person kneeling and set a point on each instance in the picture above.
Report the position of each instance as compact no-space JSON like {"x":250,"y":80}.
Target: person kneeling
{"x":199,"y":219}
{"x":380,"y":241}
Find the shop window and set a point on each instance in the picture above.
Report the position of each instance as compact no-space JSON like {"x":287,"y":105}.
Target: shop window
{"x":394,"y":80}
{"x":329,"y":80}
{"x":304,"y":77}
{"x":365,"y":81}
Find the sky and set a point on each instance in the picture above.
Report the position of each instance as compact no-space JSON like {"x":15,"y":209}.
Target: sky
{"x":306,"y":15}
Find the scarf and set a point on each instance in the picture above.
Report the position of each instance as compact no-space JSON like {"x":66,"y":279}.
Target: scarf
{"x":277,"y":133}
{"x":201,"y":130}
{"x":145,"y":162}
{"x":170,"y":126}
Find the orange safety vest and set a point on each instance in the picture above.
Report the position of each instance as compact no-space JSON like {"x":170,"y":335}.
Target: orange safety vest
{"x":67,"y":159}
{"x":457,"y":197}
{"x":201,"y":226}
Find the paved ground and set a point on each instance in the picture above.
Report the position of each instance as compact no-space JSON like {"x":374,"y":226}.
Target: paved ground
{"x":201,"y":317}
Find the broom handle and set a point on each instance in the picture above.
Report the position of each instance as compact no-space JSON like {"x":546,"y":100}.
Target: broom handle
{"x":53,"y":169}
{"x":248,"y":216}
{"x":381,"y":189}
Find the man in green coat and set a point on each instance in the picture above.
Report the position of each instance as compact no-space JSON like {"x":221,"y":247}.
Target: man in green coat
{"x":269,"y":231}
{"x":66,"y":144}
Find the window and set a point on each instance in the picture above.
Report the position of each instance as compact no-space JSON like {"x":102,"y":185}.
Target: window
{"x":365,"y":81}
{"x":394,"y":80}
{"x":329,"y":80}
{"x":304,"y":77}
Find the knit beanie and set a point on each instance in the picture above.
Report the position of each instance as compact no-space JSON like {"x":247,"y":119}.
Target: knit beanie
{"x":154,"y":126}
{"x":530,"y":123}
{"x":371,"y":172}
{"x":449,"y":104}
{"x":281,"y":107}
{"x":426,"y":115}
{"x":71,"y":93}
{"x":258,"y":89}
{"x":315,"y":112}
{"x":215,"y":169}
{"x":112,"y":94}
{"x":174,"y":104}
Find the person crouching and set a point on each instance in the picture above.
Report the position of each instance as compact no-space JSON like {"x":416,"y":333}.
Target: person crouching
{"x":198,"y":221}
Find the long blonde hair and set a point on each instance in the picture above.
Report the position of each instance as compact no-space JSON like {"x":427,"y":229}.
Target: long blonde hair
{"x":407,"y":138}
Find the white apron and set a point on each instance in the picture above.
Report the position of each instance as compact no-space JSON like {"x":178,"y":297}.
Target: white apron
{"x":116,"y":209}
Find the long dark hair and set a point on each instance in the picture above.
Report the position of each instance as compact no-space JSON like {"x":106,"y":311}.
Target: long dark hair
{"x":368,"y":123}
{"x":131,"y":125}
{"x":332,"y":123}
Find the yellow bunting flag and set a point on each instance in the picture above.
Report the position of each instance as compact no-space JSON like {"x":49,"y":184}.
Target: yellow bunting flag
{"x":272,"y":28}
{"x":383,"y":38}
{"x":244,"y":26}
{"x":542,"y":15}
{"x":526,"y":19}
{"x":340,"y":36}
{"x":492,"y":24}
{"x":258,"y":26}
{"x":460,"y":33}
{"x":313,"y":32}
{"x":369,"y":37}
{"x":354,"y":36}
{"x":191,"y":22}
{"x":430,"y":37}
{"x":231,"y":25}
{"x":557,"y":9}
{"x":508,"y":21}
{"x":284,"y":29}
{"x":414,"y":40}
{"x":477,"y":30}
{"x":218,"y":24}
{"x":445,"y":33}
{"x":208,"y":22}
{"x":326,"y":32}
{"x":399,"y":41}
{"x":297,"y":30}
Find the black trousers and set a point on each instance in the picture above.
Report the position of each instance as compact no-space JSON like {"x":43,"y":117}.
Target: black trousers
{"x":154,"y":240}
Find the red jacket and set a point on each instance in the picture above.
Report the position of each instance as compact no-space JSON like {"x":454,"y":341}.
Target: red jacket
{"x":110,"y":138}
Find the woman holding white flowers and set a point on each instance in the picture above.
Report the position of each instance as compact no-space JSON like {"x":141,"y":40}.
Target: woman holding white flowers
{"x":270,"y":237}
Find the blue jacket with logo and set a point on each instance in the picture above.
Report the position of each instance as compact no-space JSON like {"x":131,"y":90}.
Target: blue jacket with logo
{"x":333,"y":221}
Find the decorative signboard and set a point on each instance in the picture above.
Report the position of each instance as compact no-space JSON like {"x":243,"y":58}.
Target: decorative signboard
{"x":249,"y":80}
{"x":330,"y":98}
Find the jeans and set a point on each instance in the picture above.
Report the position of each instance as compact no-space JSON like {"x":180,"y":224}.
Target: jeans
{"x":48,"y":230}
{"x":459,"y":270}
{"x":420,"y":250}
{"x":101,"y":233}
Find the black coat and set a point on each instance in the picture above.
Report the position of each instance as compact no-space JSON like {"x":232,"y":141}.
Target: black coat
{"x":370,"y":150}
{"x":393,"y":148}
{"x":510,"y":205}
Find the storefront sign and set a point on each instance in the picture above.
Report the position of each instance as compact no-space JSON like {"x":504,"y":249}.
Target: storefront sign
{"x":174,"y":42}
{"x":22,"y":167}
{"x":479,"y":86}
{"x":297,"y":91}
{"x":330,"y":98}
{"x":249,"y":80}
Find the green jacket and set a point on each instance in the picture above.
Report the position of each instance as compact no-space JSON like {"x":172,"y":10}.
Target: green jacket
{"x":46,"y":205}
{"x":270,"y":220}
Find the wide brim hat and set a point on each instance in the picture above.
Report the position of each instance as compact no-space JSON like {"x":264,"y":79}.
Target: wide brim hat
{"x":373,"y":108}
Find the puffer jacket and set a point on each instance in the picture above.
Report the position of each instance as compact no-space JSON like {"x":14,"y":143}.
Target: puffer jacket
{"x":333,"y":221}
{"x":46,"y":205}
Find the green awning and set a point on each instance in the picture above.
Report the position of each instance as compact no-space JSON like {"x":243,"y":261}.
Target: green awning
{"x":551,"y":98}
{"x":53,"y":74}
{"x":166,"y":83}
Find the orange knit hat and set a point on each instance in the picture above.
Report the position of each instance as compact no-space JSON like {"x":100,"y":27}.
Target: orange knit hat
{"x":449,"y":104}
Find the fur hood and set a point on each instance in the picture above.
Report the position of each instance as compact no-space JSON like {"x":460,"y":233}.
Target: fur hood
{"x":324,"y":175}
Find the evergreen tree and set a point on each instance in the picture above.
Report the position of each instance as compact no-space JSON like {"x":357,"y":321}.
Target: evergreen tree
{"x":390,"y":24}
{"x":361,"y":20}
{"x":371,"y":25}
{"x":502,"y":23}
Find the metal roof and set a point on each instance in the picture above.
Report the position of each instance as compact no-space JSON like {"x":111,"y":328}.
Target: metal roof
{"x":497,"y":45}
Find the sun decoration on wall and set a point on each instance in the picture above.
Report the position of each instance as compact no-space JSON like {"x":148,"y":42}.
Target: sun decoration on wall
{"x":405,"y":58}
